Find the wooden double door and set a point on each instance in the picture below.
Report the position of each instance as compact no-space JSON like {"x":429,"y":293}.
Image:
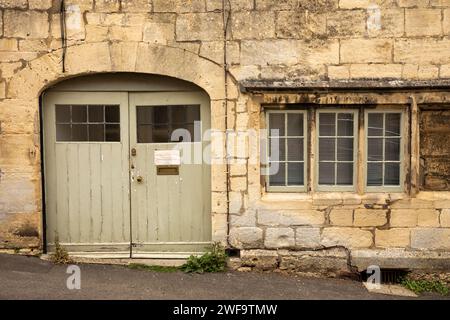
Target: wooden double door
{"x":124,"y":173}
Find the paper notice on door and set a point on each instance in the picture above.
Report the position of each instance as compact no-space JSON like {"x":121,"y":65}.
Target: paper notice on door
{"x":167,"y":158}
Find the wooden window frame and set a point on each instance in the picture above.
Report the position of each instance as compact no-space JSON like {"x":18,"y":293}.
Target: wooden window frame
{"x":293,"y":188}
{"x":320,"y":187}
{"x":404,"y":140}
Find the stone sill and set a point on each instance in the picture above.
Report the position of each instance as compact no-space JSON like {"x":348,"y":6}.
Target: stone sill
{"x":347,"y":197}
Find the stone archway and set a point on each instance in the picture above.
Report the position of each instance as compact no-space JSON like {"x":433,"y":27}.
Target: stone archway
{"x":26,"y":86}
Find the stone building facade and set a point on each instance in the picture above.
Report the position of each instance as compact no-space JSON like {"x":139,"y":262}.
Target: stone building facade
{"x":253,"y":57}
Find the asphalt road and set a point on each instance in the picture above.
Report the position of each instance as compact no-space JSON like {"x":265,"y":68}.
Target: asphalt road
{"x":31,"y":278}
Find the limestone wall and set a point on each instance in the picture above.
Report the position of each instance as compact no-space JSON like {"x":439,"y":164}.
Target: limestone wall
{"x":314,"y":40}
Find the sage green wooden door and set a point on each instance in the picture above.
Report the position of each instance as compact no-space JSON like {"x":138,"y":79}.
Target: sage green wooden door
{"x":115,"y":183}
{"x":170,"y":183}
{"x":87,"y":171}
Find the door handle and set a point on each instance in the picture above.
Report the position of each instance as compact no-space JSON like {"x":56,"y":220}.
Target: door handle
{"x":139,"y":179}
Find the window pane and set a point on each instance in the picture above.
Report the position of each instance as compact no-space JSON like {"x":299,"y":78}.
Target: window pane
{"x":345,"y":174}
{"x":96,"y":114}
{"x":295,"y":174}
{"x":160,"y":134}
{"x":276,"y":122}
{"x":295,"y":124}
{"x":392,"y":174}
{"x":63,"y":132}
{"x":375,"y":149}
{"x":112,"y":114}
{"x":79,"y":114}
{"x":375,"y":125}
{"x":392,"y":124}
{"x":326,"y":173}
{"x":160,"y":115}
{"x":277,"y":150}
{"x":327,"y":124}
{"x":144,"y":115}
{"x":62,"y":114}
{"x":345,"y":124}
{"x":79,"y":132}
{"x":192,"y":114}
{"x":96,"y":132}
{"x":278,"y":178}
{"x":144,"y":133}
{"x":327,"y":149}
{"x":374,"y":174}
{"x":112,"y":132}
{"x":295,"y":149}
{"x":345,"y":149}
{"x":392,"y":149}
{"x":177,"y":114}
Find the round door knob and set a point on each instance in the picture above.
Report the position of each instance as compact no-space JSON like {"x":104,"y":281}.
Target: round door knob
{"x":139,"y":179}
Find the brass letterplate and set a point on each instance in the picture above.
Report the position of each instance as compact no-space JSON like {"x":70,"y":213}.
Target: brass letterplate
{"x":167,"y":170}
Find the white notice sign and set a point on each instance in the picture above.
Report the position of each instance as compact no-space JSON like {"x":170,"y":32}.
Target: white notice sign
{"x":167,"y":157}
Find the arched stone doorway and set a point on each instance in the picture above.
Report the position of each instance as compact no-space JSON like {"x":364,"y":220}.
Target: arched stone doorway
{"x":115,"y":182}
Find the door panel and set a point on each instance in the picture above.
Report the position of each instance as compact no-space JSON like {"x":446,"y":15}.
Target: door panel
{"x":87,"y":182}
{"x":170,"y":212}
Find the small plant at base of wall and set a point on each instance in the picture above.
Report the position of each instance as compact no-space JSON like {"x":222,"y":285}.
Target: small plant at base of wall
{"x":212,"y":261}
{"x":421,"y":286}
{"x":61,"y":256}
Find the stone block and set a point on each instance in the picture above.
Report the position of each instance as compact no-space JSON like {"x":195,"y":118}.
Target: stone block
{"x":290,"y":217}
{"x":39,"y":4}
{"x":253,"y":25}
{"x":427,"y":218}
{"x":330,"y":262}
{"x":430,"y":238}
{"x":199,"y":26}
{"x":179,"y":6}
{"x":246,"y":219}
{"x":25,"y":24}
{"x":278,"y":238}
{"x":423,"y":22}
{"x":339,"y":72}
{"x":369,"y":217}
{"x":392,"y":24}
{"x":246,"y":237}
{"x":445,"y":218}
{"x":300,"y":25}
{"x":392,"y":238}
{"x":262,"y":52}
{"x":107,"y":5}
{"x":346,"y":23}
{"x":422,"y":51}
{"x":347,"y":237}
{"x":159,"y":33}
{"x":144,"y":6}
{"x":259,"y":259}
{"x":16,"y":4}
{"x":307,"y":237}
{"x":8,"y":45}
{"x":341,"y":217}
{"x":403,"y":218}
{"x":366,"y":50}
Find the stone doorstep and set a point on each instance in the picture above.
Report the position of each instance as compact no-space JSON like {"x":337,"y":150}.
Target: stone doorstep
{"x":123,"y":262}
{"x":389,"y":289}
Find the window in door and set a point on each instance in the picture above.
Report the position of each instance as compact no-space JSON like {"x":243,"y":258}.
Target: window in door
{"x":165,"y":124}
{"x":87,"y":123}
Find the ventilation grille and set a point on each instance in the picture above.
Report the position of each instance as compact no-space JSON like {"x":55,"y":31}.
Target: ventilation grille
{"x":388,"y":276}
